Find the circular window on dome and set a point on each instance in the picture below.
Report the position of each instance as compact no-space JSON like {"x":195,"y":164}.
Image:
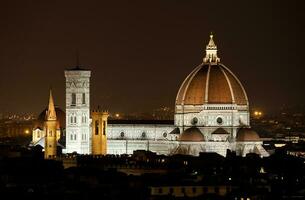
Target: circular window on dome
{"x":194,"y":121}
{"x":143,"y":135}
{"x":122,"y":134}
{"x":165,"y":134}
{"x":219,"y":120}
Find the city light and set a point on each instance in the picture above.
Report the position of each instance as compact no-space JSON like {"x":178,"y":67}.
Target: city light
{"x":117,"y":115}
{"x":258,"y":113}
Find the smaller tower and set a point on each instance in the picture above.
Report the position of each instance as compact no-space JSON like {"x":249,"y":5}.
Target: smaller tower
{"x":50,"y":130}
{"x":99,"y":132}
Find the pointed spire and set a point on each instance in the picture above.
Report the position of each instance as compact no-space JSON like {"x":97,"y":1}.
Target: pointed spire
{"x":51,"y":113}
{"x":211,"y":52}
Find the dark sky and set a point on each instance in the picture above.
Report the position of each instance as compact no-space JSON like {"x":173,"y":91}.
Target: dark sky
{"x":141,"y":51}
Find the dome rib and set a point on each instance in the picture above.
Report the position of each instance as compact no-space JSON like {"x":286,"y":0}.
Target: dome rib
{"x":182,"y":87}
{"x":238,"y":84}
{"x":206,"y":99}
{"x":211,"y":84}
{"x":219,"y":91}
{"x":230,"y":86}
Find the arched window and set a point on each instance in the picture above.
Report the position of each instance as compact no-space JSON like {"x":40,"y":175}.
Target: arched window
{"x":74,"y":119}
{"x":73,"y":99}
{"x":97,"y":124}
{"x":104,"y":127}
{"x":84,"y":98}
{"x":71,"y":137}
{"x":74,"y":136}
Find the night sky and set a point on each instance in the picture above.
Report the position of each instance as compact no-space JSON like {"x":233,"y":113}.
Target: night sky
{"x":141,"y":51}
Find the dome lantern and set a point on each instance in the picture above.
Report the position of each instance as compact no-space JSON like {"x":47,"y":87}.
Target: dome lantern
{"x":211,"y":52}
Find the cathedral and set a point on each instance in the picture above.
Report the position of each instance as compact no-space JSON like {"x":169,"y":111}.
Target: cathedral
{"x":211,"y":115}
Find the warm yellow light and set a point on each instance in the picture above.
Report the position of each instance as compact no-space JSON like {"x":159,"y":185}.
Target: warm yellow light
{"x":117,"y":115}
{"x":27,"y":131}
{"x":258,"y":113}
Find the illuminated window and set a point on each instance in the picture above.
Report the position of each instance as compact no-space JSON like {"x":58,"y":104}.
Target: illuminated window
{"x":96,"y":127}
{"x":50,"y":133}
{"x":84,"y":98}
{"x":73,"y":101}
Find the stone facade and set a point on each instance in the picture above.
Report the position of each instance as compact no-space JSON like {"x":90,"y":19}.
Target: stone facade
{"x":78,"y":134}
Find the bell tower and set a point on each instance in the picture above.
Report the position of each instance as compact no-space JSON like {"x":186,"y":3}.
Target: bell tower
{"x":78,"y":137}
{"x":50,"y":130}
{"x":99,"y":132}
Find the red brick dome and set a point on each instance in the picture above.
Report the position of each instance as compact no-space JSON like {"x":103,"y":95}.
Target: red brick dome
{"x":247,"y":135}
{"x":211,"y":83}
{"x":192,"y":134}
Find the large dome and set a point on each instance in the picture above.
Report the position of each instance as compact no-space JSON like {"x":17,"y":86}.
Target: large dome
{"x":211,"y":83}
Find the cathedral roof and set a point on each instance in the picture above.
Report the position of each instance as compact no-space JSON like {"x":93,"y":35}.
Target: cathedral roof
{"x":211,"y":83}
{"x":247,"y":135}
{"x":192,"y":134}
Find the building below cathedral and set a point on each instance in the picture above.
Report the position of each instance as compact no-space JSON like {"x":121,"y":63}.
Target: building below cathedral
{"x":211,"y":115}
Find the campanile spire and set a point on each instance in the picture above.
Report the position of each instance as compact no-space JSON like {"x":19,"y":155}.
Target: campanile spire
{"x":51,"y":113}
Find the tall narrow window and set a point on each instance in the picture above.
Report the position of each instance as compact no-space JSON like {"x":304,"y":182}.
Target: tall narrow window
{"x":71,"y":137}
{"x":96,"y":127}
{"x":74,"y":119}
{"x":104,"y":127}
{"x":74,"y":136}
{"x":84,"y":98}
{"x":73,"y":101}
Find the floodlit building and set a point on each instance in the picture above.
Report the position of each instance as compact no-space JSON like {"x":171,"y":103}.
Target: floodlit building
{"x":211,"y":115}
